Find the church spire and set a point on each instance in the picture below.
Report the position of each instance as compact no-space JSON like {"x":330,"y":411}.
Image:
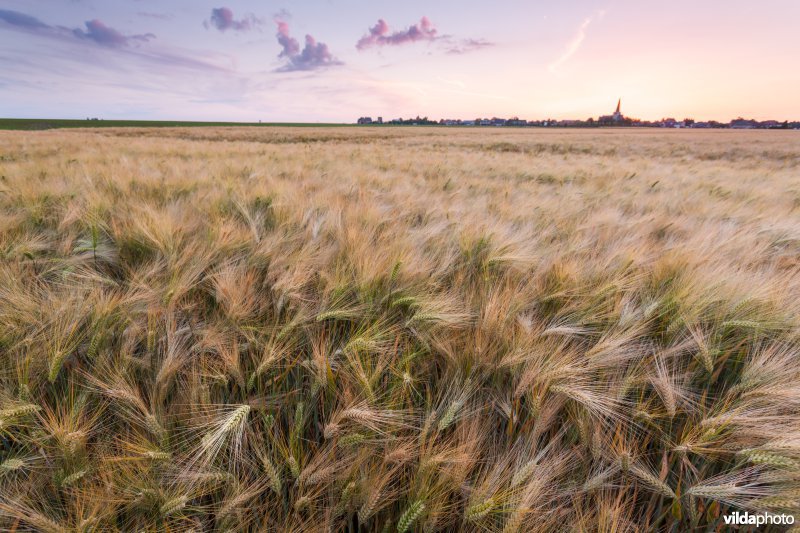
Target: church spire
{"x":618,"y":104}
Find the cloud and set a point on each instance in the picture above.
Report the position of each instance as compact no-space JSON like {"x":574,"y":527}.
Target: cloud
{"x":98,"y":32}
{"x":95,"y":30}
{"x":222,"y":19}
{"x":153,"y":15}
{"x":314,"y":54}
{"x":466,"y":46}
{"x":574,"y":45}
{"x":289,"y":44}
{"x":22,"y":21}
{"x":379,"y":34}
{"x":98,"y":36}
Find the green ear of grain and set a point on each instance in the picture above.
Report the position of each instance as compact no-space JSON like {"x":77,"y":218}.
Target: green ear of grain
{"x":410,"y":515}
{"x":173,"y":506}
{"x":56,"y":363}
{"x":476,"y":512}
{"x":11,"y":465}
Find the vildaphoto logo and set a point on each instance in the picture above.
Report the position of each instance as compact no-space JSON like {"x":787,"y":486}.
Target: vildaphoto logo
{"x":757,"y":519}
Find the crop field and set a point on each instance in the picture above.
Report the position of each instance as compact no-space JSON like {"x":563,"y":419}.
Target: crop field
{"x":398,"y":329}
{"x":49,"y":124}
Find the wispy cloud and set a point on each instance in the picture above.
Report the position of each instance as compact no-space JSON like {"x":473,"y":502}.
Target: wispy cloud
{"x":312,"y":56}
{"x":223,"y":20}
{"x":22,"y":20}
{"x":575,"y":43}
{"x":457,"y":83}
{"x":465,"y":46}
{"x":154,"y":15}
{"x":104,"y":35}
{"x":380,"y":34}
{"x":98,"y":35}
{"x":95,"y":30}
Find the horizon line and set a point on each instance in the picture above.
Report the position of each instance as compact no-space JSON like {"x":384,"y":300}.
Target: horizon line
{"x":386,"y":122}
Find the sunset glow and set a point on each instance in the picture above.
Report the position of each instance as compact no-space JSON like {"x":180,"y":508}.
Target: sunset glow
{"x":332,"y":61}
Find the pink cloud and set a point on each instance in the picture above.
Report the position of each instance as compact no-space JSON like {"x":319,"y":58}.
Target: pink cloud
{"x":379,"y":34}
{"x":222,"y":19}
{"x":314,"y":54}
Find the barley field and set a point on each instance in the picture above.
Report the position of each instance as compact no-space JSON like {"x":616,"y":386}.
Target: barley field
{"x":398,"y":329}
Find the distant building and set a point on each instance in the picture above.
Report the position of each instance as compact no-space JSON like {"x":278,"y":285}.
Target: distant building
{"x":743,"y":124}
{"x":617,"y":115}
{"x":614,"y":118}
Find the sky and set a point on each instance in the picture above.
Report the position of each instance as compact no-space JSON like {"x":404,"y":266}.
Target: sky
{"x":337,"y":60}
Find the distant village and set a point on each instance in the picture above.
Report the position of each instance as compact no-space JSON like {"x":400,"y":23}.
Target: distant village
{"x":614,"y":119}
